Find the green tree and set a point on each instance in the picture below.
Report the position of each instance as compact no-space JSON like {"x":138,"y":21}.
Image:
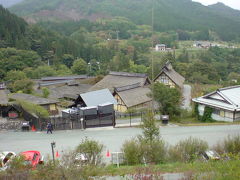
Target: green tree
{"x":169,"y":99}
{"x":15,"y":75}
{"x":79,"y":67}
{"x":23,"y":85}
{"x":91,"y":150}
{"x":44,"y":71}
{"x":68,"y":59}
{"x":149,"y":127}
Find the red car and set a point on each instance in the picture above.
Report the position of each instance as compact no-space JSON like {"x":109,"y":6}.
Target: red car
{"x":32,"y":158}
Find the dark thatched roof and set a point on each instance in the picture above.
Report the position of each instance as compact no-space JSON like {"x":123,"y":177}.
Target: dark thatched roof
{"x":119,"y":79}
{"x":67,"y":91}
{"x":172,"y":74}
{"x":62,"y":78}
{"x":134,"y":95}
{"x":32,"y":99}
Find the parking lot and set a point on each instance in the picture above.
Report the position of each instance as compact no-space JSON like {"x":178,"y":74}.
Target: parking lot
{"x":110,"y":137}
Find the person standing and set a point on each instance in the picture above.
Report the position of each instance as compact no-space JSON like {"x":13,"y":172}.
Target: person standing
{"x":49,"y":127}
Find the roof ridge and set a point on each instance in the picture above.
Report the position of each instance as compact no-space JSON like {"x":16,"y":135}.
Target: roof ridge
{"x":128,"y":87}
{"x":230,"y":87}
{"x":127,"y":74}
{"x":226,"y":98}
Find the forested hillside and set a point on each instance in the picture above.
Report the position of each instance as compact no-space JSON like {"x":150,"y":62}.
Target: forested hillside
{"x":95,"y":48}
{"x":183,"y":15}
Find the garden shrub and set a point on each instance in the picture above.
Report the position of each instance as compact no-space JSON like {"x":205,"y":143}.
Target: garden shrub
{"x":187,"y":150}
{"x":230,"y":145}
{"x":132,"y":152}
{"x":154,"y":151}
{"x":92,"y":150}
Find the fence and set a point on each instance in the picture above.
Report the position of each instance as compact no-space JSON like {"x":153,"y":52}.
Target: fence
{"x":75,"y":121}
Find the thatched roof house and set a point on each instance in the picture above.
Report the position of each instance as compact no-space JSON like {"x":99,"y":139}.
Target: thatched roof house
{"x":170,"y":77}
{"x":132,"y":96}
{"x":118,"y":79}
{"x":49,"y":104}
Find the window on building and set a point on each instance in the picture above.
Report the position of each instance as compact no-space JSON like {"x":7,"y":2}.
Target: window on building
{"x":216,"y":111}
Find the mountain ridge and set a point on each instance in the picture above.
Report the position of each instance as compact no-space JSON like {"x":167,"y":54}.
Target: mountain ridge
{"x":169,"y":15}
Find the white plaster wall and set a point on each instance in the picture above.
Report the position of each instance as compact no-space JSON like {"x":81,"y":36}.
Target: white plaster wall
{"x":220,"y":118}
{"x":201,"y":109}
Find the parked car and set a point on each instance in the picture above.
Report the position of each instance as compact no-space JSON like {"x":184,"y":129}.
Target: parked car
{"x":211,"y":155}
{"x":5,"y":158}
{"x":32,"y":158}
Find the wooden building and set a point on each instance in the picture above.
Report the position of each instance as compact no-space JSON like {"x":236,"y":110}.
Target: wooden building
{"x":48,"y":104}
{"x":119,"y":79}
{"x":170,"y":77}
{"x":132,"y":96}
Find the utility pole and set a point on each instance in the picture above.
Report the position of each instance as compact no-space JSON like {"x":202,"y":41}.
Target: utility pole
{"x":117,"y":34}
{"x":152,"y":54}
{"x":53,"y":145}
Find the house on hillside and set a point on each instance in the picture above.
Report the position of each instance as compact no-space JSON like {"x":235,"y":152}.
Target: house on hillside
{"x":95,"y":98}
{"x":170,"y":77}
{"x":225,"y":103}
{"x":132,"y":96}
{"x":119,"y":79}
{"x":160,"y":47}
{"x":205,"y":44}
{"x":48,"y":104}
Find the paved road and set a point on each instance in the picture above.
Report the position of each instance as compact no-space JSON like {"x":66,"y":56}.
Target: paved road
{"x":111,"y":138}
{"x":187,"y":95}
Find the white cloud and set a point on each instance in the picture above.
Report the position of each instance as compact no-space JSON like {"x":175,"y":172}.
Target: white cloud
{"x":232,"y":3}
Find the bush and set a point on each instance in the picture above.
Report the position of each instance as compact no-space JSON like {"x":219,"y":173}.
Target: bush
{"x":154,"y":151}
{"x":187,"y":150}
{"x":92,"y":150}
{"x":137,"y":151}
{"x":207,"y":115}
{"x":132,"y":152}
{"x":230,"y":145}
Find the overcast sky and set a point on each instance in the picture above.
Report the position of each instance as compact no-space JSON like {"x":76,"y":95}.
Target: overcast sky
{"x":235,"y":4}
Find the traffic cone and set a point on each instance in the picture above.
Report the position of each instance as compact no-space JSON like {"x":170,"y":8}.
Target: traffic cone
{"x":108,"y":153}
{"x":57,"y":155}
{"x":33,"y":128}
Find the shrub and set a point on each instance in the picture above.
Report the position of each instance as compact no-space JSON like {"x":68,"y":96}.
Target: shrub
{"x":207,"y":115}
{"x":230,"y":145}
{"x":132,"y":152}
{"x":154,"y":151}
{"x":92,"y":150}
{"x":187,"y":150}
{"x":149,"y":127}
